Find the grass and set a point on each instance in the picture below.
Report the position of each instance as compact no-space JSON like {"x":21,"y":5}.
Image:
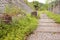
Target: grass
{"x":19,"y":28}
{"x":55,"y":17}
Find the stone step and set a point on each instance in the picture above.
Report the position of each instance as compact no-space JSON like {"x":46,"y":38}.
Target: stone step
{"x":49,"y":24}
{"x":47,"y":20}
{"x":48,"y":29}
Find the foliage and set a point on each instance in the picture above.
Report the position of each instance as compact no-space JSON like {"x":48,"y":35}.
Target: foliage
{"x":30,"y":4}
{"x":12,"y":10}
{"x":56,"y":17}
{"x":36,"y":4}
{"x":41,"y":6}
{"x":19,"y":28}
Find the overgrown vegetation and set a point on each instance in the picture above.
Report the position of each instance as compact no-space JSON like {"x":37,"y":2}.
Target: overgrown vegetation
{"x":40,"y":6}
{"x":20,"y":27}
{"x":54,"y":16}
{"x":30,"y":4}
{"x":13,"y":10}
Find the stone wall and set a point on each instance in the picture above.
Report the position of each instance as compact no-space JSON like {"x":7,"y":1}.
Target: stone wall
{"x":19,"y":3}
{"x":56,"y":9}
{"x":2,"y":5}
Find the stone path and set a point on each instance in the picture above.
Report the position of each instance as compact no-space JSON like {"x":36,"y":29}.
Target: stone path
{"x":47,"y":30}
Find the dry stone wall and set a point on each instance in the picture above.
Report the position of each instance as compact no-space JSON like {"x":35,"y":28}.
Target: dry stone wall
{"x":2,"y":5}
{"x":19,"y":3}
{"x":56,"y":9}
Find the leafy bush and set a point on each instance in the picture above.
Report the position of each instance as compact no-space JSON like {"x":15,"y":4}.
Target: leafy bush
{"x":56,"y":17}
{"x":18,"y":29}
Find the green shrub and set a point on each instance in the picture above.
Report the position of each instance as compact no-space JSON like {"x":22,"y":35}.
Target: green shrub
{"x":18,"y":29}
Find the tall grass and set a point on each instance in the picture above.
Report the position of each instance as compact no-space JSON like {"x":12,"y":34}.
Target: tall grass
{"x":54,"y":16}
{"x":19,"y":28}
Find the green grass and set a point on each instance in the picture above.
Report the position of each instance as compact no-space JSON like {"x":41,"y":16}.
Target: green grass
{"x":19,"y":28}
{"x":55,"y":17}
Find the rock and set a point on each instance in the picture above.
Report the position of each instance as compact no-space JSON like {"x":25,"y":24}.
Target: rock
{"x":34,"y":13}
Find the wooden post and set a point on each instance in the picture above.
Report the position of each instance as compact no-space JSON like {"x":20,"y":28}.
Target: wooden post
{"x":34,"y":13}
